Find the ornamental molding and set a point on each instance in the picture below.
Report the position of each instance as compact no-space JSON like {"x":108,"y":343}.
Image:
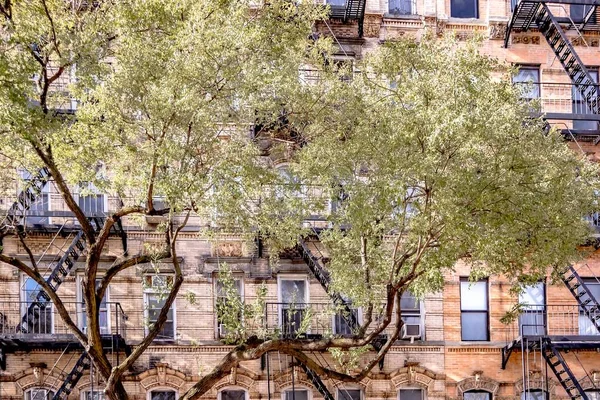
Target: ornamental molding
{"x":38,"y":376}
{"x":525,"y":39}
{"x":413,"y":375}
{"x":478,"y":382}
{"x":162,"y":376}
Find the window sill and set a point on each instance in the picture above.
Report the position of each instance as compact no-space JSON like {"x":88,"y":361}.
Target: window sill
{"x":402,"y":16}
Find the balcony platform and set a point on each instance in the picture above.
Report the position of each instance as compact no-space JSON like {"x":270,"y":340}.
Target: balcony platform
{"x":13,"y":343}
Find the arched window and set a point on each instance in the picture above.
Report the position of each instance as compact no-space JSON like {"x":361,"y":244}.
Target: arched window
{"x":349,"y":394}
{"x":534,"y":394}
{"x":233,"y":393}
{"x":39,"y":394}
{"x":93,"y":395}
{"x":477,"y":395}
{"x":162,"y":394}
{"x":411,"y":394}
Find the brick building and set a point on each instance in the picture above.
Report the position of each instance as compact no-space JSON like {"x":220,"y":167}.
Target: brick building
{"x":454,"y":345}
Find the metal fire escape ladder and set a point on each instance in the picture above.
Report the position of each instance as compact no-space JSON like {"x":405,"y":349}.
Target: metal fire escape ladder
{"x":561,"y":370}
{"x":58,"y":275}
{"x":565,"y":52}
{"x":587,"y":302}
{"x":27,"y":197}
{"x":316,"y":381}
{"x":355,"y":9}
{"x":82,"y":364}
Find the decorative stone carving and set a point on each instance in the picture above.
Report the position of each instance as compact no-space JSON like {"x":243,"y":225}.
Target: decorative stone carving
{"x":478,"y":382}
{"x":372,"y":25}
{"x":585,"y":41}
{"x":526,"y":39}
{"x":162,"y":375}
{"x":497,"y":31}
{"x":38,"y":376}
{"x":535,"y":381}
{"x":228,"y":248}
{"x":413,"y":375}
{"x":440,"y":27}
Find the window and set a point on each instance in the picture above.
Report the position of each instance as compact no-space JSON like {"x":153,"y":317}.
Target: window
{"x":104,"y":312}
{"x":95,"y":395}
{"x":343,"y":324}
{"x":411,"y":394}
{"x":534,"y":394}
{"x":39,"y":394}
{"x":580,"y":106}
{"x":298,"y":394}
{"x":528,"y":79}
{"x":411,"y":316}
{"x":349,"y":394}
{"x":232,"y":394}
{"x":477,"y":395}
{"x":474,"y":312}
{"x":221,"y":298}
{"x":293,"y":295}
{"x":37,"y":213}
{"x":586,"y":327}
{"x":92,"y":202}
{"x":156,"y":290}
{"x":401,"y":7}
{"x":37,"y":312}
{"x":336,"y":2}
{"x":593,"y":394}
{"x":162,"y":395}
{"x":532,"y":320}
{"x":464,"y":9}
{"x":580,"y":11}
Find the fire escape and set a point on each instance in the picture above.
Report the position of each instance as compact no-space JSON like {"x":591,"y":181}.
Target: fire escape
{"x":34,"y":323}
{"x":351,"y":10}
{"x":545,"y":334}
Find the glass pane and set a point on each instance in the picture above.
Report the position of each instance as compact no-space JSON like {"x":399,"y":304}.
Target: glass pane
{"x":296,"y":395}
{"x":464,"y":8}
{"x":291,"y":321}
{"x":474,"y":325}
{"x":533,"y":295}
{"x":39,"y":394}
{"x":337,"y":2}
{"x":411,"y":394}
{"x":401,"y":7}
{"x":477,"y":395}
{"x":162,"y":395}
{"x":233,"y":395}
{"x":533,"y":395}
{"x":532,"y":322}
{"x":37,"y":209}
{"x":293,"y":291}
{"x":37,"y":315}
{"x":586,"y":327}
{"x":92,"y":204}
{"x":409,"y":302}
{"x":348,"y":394}
{"x":94,"y":396}
{"x":342,"y":325}
{"x":473,"y":295}
{"x":580,"y":106}
{"x":593,"y":394}
{"x":529,"y":79}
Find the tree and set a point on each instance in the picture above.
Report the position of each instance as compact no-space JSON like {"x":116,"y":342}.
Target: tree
{"x":158,"y":87}
{"x":433,"y":159}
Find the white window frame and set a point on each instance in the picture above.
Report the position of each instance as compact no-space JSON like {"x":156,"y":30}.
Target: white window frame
{"x":423,"y":392}
{"x":92,"y":188}
{"x":291,"y":277}
{"x":24,"y":301}
{"x":237,"y":388}
{"x":298,"y":387}
{"x":479,"y":391}
{"x":85,"y":392}
{"x":28,"y":391}
{"x":216,"y":296}
{"x":339,"y":389}
{"x":359,"y":317}
{"x":81,"y":310}
{"x":162,"y":389}
{"x":421,"y":315}
{"x":148,"y":290}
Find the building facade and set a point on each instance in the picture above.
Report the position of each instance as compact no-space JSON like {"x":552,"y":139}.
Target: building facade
{"x":453,"y":345}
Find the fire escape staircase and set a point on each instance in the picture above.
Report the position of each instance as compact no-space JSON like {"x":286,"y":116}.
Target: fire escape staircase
{"x":536,"y":14}
{"x":315,"y":264}
{"x":26,"y":198}
{"x":82,"y":364}
{"x":561,"y":370}
{"x":588,"y":304}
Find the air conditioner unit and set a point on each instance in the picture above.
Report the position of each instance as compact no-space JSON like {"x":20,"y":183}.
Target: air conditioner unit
{"x":411,"y":331}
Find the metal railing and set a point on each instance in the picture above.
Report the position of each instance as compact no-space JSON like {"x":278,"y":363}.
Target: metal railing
{"x":18,"y":318}
{"x":559,"y":98}
{"x":551,"y":320}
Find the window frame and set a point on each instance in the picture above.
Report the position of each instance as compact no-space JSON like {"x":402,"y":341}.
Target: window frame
{"x":162,"y":389}
{"x":92,"y":188}
{"x":26,"y":177}
{"x":412,"y":5}
{"x":24,"y":302}
{"x":578,"y":104}
{"x":297,"y":388}
{"x":544,"y":393}
{"x":412,"y":313}
{"x":583,"y":320}
{"x":423,"y":393}
{"x":335,"y":326}
{"x":537,"y":85}
{"x":490,"y":394}
{"x":148,"y":290}
{"x":281,"y":304}
{"x":48,"y":392}
{"x":81,"y":317}
{"x":486,"y":311}
{"x":234,"y":388}
{"x":338,"y":390}
{"x":216,"y":297}
{"x":543,"y":310}
{"x":477,"y":14}
{"x":84,"y":393}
